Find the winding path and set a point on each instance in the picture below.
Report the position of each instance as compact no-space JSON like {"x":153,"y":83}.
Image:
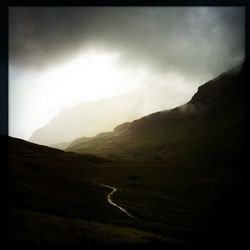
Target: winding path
{"x":112,"y":203}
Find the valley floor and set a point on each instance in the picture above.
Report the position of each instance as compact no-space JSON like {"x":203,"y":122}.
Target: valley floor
{"x":172,"y":202}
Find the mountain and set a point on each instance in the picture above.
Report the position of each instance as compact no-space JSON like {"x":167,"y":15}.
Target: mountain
{"x":60,"y":146}
{"x":209,"y":127}
{"x":179,"y":172}
{"x":93,"y":117}
{"x":84,"y":119}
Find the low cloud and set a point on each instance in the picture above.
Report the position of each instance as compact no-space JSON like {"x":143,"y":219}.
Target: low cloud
{"x":179,"y":48}
{"x":191,"y":41}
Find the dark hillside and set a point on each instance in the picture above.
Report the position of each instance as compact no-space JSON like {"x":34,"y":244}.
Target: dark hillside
{"x":209,"y":127}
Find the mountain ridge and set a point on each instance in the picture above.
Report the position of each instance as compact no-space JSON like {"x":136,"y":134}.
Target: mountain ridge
{"x":84,"y":118}
{"x":215,"y":107}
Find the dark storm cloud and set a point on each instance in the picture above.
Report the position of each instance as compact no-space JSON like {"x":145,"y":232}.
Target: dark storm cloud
{"x":191,"y":40}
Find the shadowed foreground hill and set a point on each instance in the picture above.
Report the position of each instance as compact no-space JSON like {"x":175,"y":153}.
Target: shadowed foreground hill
{"x":52,"y":199}
{"x":210,"y":127}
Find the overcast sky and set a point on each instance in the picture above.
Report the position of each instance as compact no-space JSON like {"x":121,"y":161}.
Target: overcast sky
{"x":62,"y":56}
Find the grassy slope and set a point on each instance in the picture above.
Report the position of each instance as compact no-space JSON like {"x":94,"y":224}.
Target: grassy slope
{"x":52,"y":199}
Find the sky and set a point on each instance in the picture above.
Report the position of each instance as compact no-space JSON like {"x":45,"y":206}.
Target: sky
{"x":60,"y":57}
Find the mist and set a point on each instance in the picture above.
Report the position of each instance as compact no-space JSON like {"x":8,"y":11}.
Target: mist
{"x":154,"y":58}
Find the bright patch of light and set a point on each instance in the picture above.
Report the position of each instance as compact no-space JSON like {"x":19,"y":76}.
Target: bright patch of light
{"x":92,"y":75}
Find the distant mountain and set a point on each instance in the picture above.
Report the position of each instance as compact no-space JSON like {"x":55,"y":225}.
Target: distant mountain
{"x":93,"y":117}
{"x":88,"y":118}
{"x":209,"y":127}
{"x":61,"y":146}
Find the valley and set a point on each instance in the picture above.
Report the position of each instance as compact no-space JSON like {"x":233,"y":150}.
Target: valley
{"x":174,"y":177}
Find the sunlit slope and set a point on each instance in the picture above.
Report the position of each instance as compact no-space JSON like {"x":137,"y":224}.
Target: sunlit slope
{"x":209,"y":127}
